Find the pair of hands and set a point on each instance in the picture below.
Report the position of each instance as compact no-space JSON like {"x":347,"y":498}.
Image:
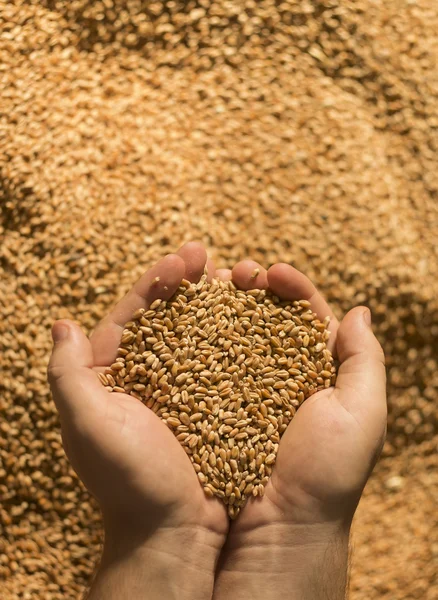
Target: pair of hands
{"x":163,"y":537}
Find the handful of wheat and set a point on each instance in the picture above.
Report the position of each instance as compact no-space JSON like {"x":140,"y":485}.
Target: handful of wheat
{"x":226,"y":370}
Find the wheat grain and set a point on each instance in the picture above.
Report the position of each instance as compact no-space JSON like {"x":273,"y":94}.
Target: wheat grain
{"x":203,"y":372}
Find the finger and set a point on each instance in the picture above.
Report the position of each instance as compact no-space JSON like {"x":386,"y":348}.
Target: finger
{"x":194,"y":255}
{"x":76,"y":389}
{"x":224,"y":274}
{"x":249,"y":275}
{"x":161,"y":281}
{"x":288,"y":283}
{"x":361,"y":382}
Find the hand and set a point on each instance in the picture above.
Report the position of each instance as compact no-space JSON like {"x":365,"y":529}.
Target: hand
{"x":295,"y":538}
{"x":154,"y":510}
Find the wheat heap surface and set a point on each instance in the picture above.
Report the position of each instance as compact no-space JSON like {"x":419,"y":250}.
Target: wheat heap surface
{"x":302,"y":132}
{"x":226,"y":371}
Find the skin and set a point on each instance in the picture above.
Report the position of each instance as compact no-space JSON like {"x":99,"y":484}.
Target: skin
{"x":120,"y":450}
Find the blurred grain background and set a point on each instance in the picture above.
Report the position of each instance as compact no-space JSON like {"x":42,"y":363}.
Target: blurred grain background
{"x":294,"y":131}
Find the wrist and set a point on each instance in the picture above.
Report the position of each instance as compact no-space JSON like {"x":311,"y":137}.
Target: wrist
{"x":278,"y":561}
{"x":170,"y":563}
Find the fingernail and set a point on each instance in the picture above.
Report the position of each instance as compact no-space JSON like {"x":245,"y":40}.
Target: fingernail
{"x":367,"y":317}
{"x":60,"y":332}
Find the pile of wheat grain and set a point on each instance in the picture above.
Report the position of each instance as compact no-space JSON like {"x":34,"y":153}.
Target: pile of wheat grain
{"x":302,"y":132}
{"x":226,"y":371}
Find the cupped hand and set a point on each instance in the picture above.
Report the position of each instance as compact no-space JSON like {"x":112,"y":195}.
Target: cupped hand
{"x":124,"y":454}
{"x":332,"y":444}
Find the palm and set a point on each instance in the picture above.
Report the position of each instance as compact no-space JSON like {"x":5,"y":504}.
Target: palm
{"x":137,"y":452}
{"x":330,"y":447}
{"x":147,"y":465}
{"x":322,"y":451}
{"x":315,"y":455}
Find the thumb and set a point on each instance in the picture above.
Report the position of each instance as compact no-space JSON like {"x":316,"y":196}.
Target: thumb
{"x":361,"y":381}
{"x":75,"y":386}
